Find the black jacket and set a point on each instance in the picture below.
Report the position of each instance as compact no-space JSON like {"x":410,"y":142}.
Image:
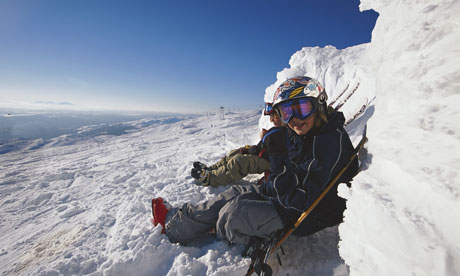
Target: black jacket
{"x":297,"y":179}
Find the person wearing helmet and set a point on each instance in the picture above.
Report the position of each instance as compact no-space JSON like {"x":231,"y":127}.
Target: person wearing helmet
{"x":238,"y":163}
{"x":320,"y":148}
{"x":304,"y":157}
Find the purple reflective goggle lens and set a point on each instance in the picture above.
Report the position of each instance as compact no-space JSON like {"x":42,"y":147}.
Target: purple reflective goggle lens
{"x":299,"y":108}
{"x":268,"y":109}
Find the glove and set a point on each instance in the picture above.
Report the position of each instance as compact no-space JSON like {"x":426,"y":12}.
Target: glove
{"x":275,"y":141}
{"x":244,"y":150}
{"x":254,"y":150}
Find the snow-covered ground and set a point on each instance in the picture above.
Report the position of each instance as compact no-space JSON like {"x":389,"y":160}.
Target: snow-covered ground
{"x":84,"y":208}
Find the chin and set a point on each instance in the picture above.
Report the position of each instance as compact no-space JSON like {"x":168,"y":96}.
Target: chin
{"x":300,"y":131}
{"x":302,"y":127}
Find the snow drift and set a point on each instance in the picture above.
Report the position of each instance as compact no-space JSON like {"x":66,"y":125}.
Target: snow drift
{"x":402,"y":209}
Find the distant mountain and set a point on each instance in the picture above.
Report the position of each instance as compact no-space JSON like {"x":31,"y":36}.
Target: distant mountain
{"x":53,"y":103}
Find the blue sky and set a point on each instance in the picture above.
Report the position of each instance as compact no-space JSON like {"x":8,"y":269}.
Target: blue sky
{"x":178,"y":56}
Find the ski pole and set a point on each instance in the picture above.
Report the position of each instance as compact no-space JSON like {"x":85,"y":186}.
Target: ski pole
{"x":304,"y":215}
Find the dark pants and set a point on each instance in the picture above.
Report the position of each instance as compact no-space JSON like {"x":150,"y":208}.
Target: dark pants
{"x":236,"y":214}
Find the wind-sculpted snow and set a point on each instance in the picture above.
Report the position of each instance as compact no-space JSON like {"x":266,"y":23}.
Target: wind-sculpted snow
{"x":402,"y":207}
{"x":409,"y":195}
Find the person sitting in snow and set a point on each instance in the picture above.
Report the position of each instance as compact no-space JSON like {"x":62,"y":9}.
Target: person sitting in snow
{"x":237,"y":163}
{"x":319,"y":148}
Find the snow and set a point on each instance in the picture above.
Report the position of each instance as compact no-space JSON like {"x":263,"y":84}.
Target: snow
{"x":80,"y":204}
{"x":83,"y":208}
{"x":411,"y":187}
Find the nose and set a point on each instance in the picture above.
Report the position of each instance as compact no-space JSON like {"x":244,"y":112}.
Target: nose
{"x":294,"y":121}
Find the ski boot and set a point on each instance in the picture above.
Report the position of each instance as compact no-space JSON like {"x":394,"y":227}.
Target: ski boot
{"x":199,"y":171}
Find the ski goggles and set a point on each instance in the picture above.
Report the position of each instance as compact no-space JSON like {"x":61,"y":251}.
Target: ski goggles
{"x":268,"y":109}
{"x":299,"y":108}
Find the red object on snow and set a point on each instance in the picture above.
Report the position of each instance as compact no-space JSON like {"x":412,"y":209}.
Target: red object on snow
{"x":159,"y":212}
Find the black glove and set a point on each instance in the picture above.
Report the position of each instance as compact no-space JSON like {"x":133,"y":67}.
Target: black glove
{"x":243,"y":150}
{"x":254,"y":150}
{"x":276,"y":140}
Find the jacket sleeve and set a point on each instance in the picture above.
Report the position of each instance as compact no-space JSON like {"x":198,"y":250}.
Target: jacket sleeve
{"x":255,"y":149}
{"x":283,"y":183}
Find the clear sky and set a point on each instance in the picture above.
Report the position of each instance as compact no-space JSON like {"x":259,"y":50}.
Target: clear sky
{"x":178,"y":56}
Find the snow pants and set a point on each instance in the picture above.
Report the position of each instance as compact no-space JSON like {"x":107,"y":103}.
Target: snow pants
{"x":235,"y":166}
{"x":237,"y":214}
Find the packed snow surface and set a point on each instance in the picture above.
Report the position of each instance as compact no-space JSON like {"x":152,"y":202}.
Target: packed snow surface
{"x":83,"y":208}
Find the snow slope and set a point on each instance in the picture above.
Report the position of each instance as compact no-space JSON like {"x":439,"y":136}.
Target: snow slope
{"x":83,"y":208}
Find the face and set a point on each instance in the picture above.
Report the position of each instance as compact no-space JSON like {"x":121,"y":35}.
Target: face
{"x":302,"y":127}
{"x":275,"y":119}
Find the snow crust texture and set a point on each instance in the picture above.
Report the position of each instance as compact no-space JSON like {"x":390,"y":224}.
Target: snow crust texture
{"x":401,"y":216}
{"x":84,"y":208}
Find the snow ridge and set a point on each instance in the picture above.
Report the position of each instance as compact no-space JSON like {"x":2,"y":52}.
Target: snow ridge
{"x":401,"y":207}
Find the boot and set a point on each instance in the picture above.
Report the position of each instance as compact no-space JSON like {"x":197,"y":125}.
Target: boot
{"x":198,"y":165}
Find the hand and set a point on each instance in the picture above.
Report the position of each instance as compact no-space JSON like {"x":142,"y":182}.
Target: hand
{"x":254,"y":150}
{"x":244,"y":150}
{"x":263,"y":132}
{"x":276,"y":140}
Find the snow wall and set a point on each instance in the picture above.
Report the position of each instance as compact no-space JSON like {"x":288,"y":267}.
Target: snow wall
{"x":402,"y":209}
